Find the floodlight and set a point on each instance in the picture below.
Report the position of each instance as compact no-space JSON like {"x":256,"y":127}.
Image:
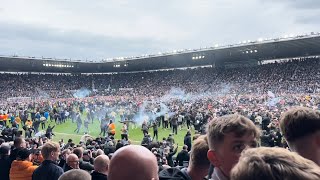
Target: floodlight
{"x":247,"y":52}
{"x":255,"y":51}
{"x":202,"y":56}
{"x":251,"y":51}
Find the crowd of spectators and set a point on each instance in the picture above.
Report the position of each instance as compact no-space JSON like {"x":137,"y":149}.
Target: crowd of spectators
{"x":231,"y":102}
{"x":298,"y":76}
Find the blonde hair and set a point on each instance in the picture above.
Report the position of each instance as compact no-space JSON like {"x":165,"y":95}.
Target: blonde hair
{"x":274,"y":164}
{"x":48,"y":148}
{"x":235,"y":123}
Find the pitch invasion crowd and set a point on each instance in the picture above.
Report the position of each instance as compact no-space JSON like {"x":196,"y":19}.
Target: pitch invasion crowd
{"x":241,"y":108}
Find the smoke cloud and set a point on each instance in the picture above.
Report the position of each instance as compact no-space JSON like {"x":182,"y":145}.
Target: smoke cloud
{"x":82,"y":93}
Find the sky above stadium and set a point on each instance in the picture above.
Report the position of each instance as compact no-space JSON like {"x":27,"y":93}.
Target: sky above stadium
{"x":100,"y":29}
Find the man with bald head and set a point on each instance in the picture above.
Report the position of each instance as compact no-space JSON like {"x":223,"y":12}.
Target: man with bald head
{"x":101,"y":166}
{"x":72,"y":162}
{"x":133,"y":162}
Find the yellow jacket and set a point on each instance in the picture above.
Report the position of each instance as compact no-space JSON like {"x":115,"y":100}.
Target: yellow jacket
{"x":21,"y":170}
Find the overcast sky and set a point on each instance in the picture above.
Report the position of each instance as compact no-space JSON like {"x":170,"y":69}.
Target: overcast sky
{"x":98,"y":29}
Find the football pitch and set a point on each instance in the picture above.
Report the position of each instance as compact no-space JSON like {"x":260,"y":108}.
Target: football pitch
{"x":65,"y":131}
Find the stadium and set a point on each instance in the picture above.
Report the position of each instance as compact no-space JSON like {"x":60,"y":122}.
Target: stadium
{"x":174,"y":110}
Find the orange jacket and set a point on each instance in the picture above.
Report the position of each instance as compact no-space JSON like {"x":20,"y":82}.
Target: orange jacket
{"x":29,"y":124}
{"x":112,"y":128}
{"x":21,"y":170}
{"x":18,"y":120}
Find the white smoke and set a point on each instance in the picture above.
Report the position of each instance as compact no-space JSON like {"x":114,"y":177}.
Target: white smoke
{"x":42,"y":94}
{"x":82,"y":93}
{"x":146,"y":112}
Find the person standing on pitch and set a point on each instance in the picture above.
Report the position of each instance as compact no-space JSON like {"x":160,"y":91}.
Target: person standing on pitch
{"x":155,"y":130}
{"x":103,"y":126}
{"x":79,"y":122}
{"x":86,"y":125}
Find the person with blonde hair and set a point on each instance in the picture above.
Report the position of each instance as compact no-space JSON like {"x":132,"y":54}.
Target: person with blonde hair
{"x":274,"y":164}
{"x":49,"y":170}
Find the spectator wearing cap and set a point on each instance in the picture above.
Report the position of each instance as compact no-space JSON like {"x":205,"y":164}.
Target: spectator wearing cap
{"x":5,"y":162}
{"x":22,"y":168}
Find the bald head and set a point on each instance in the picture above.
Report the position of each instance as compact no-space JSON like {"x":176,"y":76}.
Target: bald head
{"x":73,"y":161}
{"x":99,"y":152}
{"x":133,"y":162}
{"x":101,"y":164}
{"x":75,"y":174}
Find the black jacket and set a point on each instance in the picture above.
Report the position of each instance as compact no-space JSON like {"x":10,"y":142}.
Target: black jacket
{"x":5,"y":164}
{"x":187,"y":141}
{"x":182,"y":156}
{"x":48,"y":170}
{"x":170,"y":155}
{"x":62,"y":163}
{"x":174,"y":174}
{"x":13,"y":154}
{"x":85,"y":166}
{"x":98,"y":176}
{"x":66,"y":167}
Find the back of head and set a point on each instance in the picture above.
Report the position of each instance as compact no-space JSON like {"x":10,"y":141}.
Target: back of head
{"x":48,"y":148}
{"x":234,"y":123}
{"x":99,"y":152}
{"x":299,"y":122}
{"x":24,"y":154}
{"x":274,"y":164}
{"x":75,"y":174}
{"x":198,"y":155}
{"x":133,"y":162}
{"x":78,"y":151}
{"x":4,"y":150}
{"x":19,"y":143}
{"x":101,"y":163}
{"x":185,"y":147}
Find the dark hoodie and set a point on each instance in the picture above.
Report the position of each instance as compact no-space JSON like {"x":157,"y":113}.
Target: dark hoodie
{"x":98,"y":176}
{"x":174,"y":174}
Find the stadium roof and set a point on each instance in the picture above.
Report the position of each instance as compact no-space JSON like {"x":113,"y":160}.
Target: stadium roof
{"x":243,"y":53}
